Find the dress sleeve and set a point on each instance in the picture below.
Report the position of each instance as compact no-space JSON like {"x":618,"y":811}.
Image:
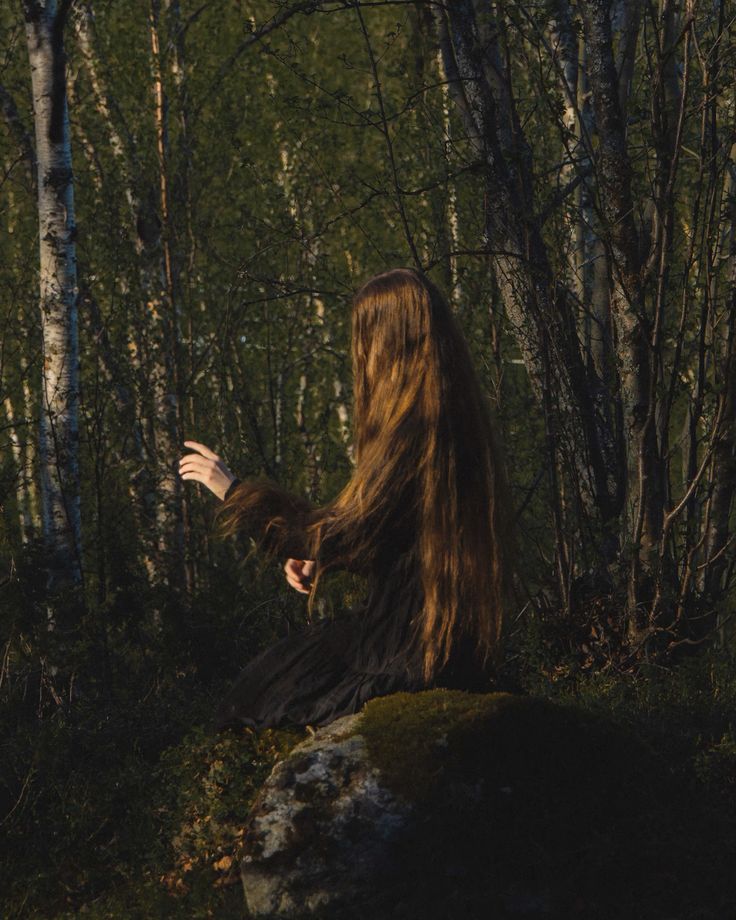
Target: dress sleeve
{"x":273,"y":518}
{"x":278,"y":523}
{"x":231,"y":488}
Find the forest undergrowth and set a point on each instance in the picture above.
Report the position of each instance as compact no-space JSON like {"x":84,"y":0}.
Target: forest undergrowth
{"x":125,"y":804}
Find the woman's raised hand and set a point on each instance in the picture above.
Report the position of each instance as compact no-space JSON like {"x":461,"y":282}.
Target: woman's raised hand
{"x":206,"y":467}
{"x":299,"y":573}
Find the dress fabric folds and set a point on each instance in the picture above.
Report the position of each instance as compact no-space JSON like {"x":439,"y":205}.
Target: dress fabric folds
{"x":323,"y":671}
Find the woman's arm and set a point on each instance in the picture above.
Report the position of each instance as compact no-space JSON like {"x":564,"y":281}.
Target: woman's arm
{"x":206,"y":467}
{"x":275,"y":519}
{"x":298,"y":571}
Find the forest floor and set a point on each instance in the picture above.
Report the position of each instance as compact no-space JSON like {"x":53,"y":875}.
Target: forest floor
{"x":132,"y":808}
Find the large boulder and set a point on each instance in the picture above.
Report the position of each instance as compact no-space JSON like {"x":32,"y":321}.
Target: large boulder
{"x":457,"y":805}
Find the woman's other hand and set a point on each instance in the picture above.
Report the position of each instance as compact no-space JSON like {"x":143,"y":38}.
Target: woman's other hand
{"x":206,"y":467}
{"x":299,"y":573}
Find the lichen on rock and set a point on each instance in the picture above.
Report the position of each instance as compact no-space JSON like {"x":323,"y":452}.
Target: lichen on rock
{"x":323,"y":815}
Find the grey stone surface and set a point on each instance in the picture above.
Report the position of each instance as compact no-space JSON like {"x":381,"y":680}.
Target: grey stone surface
{"x":322,"y":828}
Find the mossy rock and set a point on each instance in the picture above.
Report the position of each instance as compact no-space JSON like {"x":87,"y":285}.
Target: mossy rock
{"x":498,"y":806}
{"x":419,"y":740}
{"x":538,"y":806}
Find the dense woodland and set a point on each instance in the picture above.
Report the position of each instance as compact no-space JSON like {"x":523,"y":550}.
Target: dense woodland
{"x":190,"y":192}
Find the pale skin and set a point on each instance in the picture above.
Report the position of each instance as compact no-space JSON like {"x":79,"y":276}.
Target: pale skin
{"x":206,"y":467}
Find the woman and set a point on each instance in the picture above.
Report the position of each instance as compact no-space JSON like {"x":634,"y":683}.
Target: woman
{"x":425,"y":517}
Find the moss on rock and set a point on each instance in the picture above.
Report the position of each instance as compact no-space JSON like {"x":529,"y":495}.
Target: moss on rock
{"x":525,"y":799}
{"x":419,"y":739}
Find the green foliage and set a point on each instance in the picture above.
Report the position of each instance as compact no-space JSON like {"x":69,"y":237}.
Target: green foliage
{"x":715,"y":767}
{"x":212,"y":782}
{"x":132,"y":809}
{"x":129,"y":812}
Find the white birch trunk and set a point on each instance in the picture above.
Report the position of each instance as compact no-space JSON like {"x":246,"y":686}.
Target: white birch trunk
{"x":18,"y":414}
{"x":25,"y":520}
{"x":315,"y":305}
{"x":453,"y":223}
{"x":59,"y":417}
{"x":29,"y":454}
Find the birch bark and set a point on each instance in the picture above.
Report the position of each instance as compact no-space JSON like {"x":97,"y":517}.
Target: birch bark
{"x":25,"y":519}
{"x":59,"y":416}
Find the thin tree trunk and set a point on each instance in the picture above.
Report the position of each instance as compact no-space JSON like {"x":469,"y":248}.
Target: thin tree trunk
{"x":162,"y":314}
{"x":145,"y":235}
{"x":451,"y":222}
{"x":183,"y":264}
{"x":150,"y":348}
{"x":18,"y":130}
{"x":643,"y":510}
{"x":22,"y":442}
{"x":538,"y":307}
{"x":723,"y":477}
{"x":29,"y":450}
{"x":59,"y":419}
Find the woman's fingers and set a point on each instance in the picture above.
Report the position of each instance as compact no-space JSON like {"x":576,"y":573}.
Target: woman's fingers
{"x":206,"y":467}
{"x":205,"y":451}
{"x":199,"y":468}
{"x":196,"y":462}
{"x":298,"y":573}
{"x":294,"y":567}
{"x":297,"y":585}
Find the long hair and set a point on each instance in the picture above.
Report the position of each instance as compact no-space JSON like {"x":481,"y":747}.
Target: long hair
{"x":426,"y":449}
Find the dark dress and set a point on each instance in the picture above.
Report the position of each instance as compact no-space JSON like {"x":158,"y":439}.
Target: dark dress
{"x":330,"y":669}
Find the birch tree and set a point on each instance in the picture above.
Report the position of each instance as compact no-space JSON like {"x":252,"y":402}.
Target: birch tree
{"x":59,"y":417}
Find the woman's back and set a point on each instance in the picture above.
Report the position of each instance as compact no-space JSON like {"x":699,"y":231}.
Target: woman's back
{"x":425,"y":516}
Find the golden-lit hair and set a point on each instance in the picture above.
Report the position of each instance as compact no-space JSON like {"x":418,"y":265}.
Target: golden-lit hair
{"x":428,"y":463}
